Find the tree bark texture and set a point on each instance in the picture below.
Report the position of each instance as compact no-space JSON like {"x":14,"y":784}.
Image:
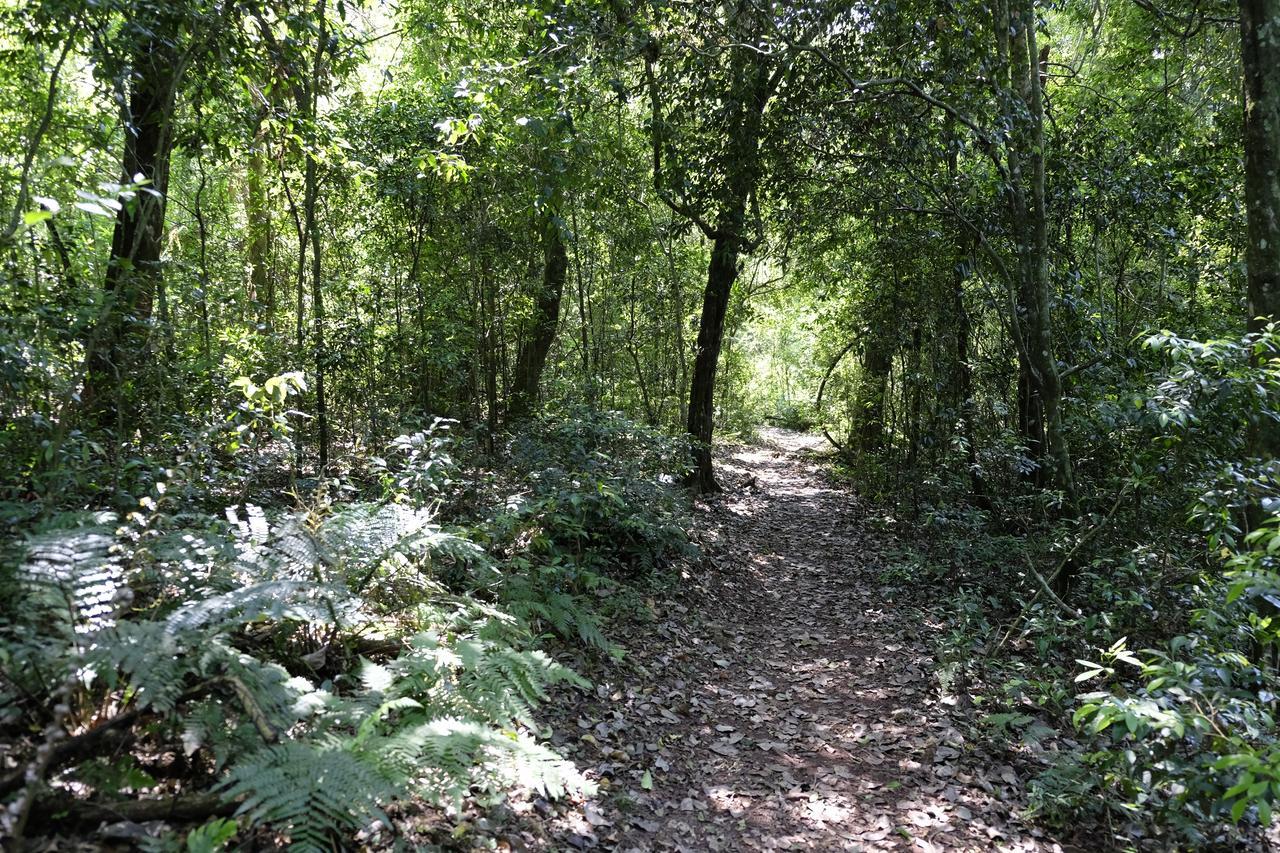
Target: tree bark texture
{"x":116,"y":347}
{"x":1260,"y":55}
{"x":541,"y":333}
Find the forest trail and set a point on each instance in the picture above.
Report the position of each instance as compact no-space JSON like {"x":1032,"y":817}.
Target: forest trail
{"x":800,"y":710}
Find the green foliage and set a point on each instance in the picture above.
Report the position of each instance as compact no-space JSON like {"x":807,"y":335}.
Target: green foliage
{"x":309,"y":791}
{"x":421,"y":467}
{"x":602,"y":495}
{"x":383,"y":193}
{"x":212,"y":836}
{"x":242,"y":639}
{"x":261,"y":416}
{"x":1183,"y":737}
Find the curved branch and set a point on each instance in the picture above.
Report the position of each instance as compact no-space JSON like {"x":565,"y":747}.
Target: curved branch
{"x":656,"y":133}
{"x":907,"y":86}
{"x":822,"y":387}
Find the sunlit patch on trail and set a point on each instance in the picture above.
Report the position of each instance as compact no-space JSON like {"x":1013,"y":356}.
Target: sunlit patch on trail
{"x":792,"y":704}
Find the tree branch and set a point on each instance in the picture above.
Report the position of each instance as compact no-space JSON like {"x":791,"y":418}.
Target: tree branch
{"x":24,"y":182}
{"x":656,"y":134}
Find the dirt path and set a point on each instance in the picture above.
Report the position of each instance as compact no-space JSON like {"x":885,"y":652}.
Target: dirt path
{"x":791,"y":703}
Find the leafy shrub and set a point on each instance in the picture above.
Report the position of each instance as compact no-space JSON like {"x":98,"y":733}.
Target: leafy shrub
{"x":1182,"y":740}
{"x":314,"y":664}
{"x":252,"y":654}
{"x":420,"y":466}
{"x":601,"y":494}
{"x":799,"y":416}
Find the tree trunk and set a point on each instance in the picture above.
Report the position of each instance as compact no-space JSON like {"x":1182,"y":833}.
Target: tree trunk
{"x":877,"y":359}
{"x":1040,"y":388}
{"x":962,"y":382}
{"x":1260,"y":54}
{"x":721,"y":274}
{"x":487,"y":288}
{"x":312,"y":229}
{"x":116,"y":347}
{"x":649,"y":414}
{"x":258,"y":220}
{"x":537,"y":341}
{"x":749,"y":95}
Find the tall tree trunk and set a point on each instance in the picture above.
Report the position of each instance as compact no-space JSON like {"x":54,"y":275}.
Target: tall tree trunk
{"x":1260,"y":53}
{"x":487,"y":291}
{"x":877,"y":359}
{"x":116,"y":347}
{"x":751,"y":89}
{"x":311,"y":193}
{"x":258,"y":220}
{"x":1038,"y":368}
{"x":537,"y":341}
{"x":584,"y":321}
{"x":641,"y":382}
{"x":962,"y":382}
{"x":721,"y":274}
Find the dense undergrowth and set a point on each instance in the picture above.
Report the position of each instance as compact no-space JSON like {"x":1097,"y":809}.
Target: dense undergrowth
{"x":289,"y":665}
{"x":1127,"y":656}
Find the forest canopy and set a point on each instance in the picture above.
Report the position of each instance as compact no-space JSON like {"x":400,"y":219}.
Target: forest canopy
{"x":375,"y":378}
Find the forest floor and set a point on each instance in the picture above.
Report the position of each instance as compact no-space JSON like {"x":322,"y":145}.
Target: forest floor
{"x":785,"y":699}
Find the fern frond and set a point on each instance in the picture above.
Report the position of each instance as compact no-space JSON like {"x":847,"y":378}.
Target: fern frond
{"x":151,"y":660}
{"x":274,"y":600}
{"x":74,"y":576}
{"x":310,"y":791}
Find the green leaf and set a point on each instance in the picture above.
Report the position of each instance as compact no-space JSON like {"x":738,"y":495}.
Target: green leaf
{"x":646,"y":781}
{"x":1082,"y":713}
{"x":1246,"y":779}
{"x":94,"y":208}
{"x":212,"y":837}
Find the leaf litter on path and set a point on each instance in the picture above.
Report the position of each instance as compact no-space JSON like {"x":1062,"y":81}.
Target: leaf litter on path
{"x":784,"y":700}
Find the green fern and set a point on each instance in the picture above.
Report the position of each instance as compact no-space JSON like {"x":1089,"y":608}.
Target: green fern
{"x":74,"y":577}
{"x":542,"y":606}
{"x":272,"y":600}
{"x":442,"y":719}
{"x":313,"y":792}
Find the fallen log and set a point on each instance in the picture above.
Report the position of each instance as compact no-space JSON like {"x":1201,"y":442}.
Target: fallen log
{"x":191,"y":807}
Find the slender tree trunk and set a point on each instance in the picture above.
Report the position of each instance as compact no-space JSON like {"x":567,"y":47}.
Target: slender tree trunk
{"x":537,"y":341}
{"x":1043,"y":358}
{"x":1260,"y":53}
{"x":963,"y":382}
{"x":258,"y":218}
{"x":311,"y":227}
{"x":584,"y":322}
{"x":202,"y":302}
{"x":877,"y":360}
{"x":641,"y":383}
{"x":721,"y":274}
{"x":116,"y":348}
{"x":750,"y":95}
{"x":911,"y":389}
{"x":682,"y":349}
{"x":487,"y":286}
{"x":1040,"y":388}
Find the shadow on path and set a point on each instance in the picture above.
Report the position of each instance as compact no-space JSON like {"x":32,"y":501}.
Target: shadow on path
{"x":792,"y":703}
